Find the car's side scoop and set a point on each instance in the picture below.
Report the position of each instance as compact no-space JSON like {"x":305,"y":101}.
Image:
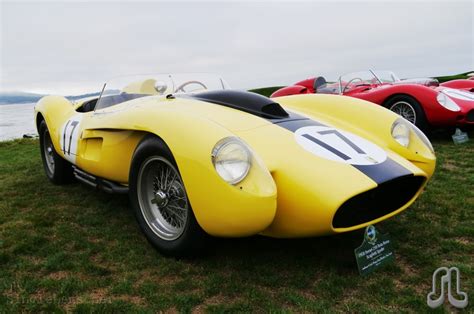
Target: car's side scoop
{"x":246,"y":101}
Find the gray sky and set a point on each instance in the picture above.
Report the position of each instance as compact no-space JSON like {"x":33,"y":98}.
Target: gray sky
{"x":72,"y":47}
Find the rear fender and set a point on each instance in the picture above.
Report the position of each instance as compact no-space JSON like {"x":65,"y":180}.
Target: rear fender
{"x":460,"y":84}
{"x":55,"y":110}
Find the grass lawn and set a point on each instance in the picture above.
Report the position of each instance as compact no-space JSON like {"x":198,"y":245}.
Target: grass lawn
{"x":266,"y":91}
{"x":442,"y":79}
{"x":71,"y":248}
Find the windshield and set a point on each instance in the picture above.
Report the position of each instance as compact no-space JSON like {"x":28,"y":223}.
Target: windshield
{"x":386,"y":76}
{"x":126,"y":88}
{"x":362,"y":78}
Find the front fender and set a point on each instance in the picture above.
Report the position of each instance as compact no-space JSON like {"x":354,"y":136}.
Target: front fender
{"x":221,"y":209}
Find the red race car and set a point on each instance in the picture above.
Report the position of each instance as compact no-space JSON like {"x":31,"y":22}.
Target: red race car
{"x":424,"y":101}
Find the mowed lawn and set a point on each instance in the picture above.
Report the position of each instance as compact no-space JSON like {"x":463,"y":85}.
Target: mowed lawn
{"x":71,"y":248}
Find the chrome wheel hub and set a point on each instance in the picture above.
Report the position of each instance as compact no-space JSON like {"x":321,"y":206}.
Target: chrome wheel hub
{"x":161,"y":199}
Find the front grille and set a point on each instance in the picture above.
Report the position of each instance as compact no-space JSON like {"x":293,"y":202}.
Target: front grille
{"x":470,"y":116}
{"x":380,"y":201}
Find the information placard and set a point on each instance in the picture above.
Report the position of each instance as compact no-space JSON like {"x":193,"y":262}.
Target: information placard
{"x":375,"y":252}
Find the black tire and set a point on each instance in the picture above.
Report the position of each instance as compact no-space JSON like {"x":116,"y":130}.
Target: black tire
{"x":191,"y":239}
{"x":398,"y":102}
{"x":58,"y":170}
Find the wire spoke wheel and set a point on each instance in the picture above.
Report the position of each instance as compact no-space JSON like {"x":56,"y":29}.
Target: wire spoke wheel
{"x":48,"y":151}
{"x":404,"y":109}
{"x":162,"y":198}
{"x":57,"y":169}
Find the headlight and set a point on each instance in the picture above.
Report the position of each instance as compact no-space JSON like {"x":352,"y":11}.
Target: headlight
{"x":447,"y":102}
{"x":401,"y":132}
{"x":232,"y":159}
{"x":422,"y":137}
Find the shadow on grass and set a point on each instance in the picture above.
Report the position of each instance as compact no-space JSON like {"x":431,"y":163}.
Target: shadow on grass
{"x":336,"y":252}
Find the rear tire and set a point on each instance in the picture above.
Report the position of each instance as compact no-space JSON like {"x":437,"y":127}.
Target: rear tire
{"x":58,"y":170}
{"x":408,"y":108}
{"x":160,"y":203}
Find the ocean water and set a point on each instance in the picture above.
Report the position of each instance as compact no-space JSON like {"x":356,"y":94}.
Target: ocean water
{"x":16,"y":120}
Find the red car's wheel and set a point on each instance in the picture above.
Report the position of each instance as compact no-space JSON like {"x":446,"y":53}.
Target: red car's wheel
{"x":408,"y":108}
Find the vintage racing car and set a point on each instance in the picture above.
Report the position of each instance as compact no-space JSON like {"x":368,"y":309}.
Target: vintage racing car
{"x":422,"y":101}
{"x":199,"y":159}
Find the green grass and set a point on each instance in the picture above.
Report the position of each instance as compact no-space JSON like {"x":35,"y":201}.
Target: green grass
{"x":71,"y":248}
{"x":442,"y":79}
{"x":266,"y":91}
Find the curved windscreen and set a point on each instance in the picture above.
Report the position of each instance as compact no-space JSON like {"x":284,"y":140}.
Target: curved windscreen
{"x":386,"y":76}
{"x":126,"y":88}
{"x":349,"y":81}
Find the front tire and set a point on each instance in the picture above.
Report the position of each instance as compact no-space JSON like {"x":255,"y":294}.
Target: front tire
{"x":408,"y":108}
{"x":160,"y":203}
{"x":58,"y":170}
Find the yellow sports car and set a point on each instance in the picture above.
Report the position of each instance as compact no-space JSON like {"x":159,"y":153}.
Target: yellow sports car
{"x":198,"y":159}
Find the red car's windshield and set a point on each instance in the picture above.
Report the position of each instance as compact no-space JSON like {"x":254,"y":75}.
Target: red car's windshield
{"x":353,"y":80}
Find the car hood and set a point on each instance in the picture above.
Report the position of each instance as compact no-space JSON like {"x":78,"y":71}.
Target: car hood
{"x":308,"y":175}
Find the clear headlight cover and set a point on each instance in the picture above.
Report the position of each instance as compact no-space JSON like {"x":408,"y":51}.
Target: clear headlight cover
{"x":231,"y":159}
{"x":422,"y":137}
{"x":447,"y":102}
{"x":401,"y":132}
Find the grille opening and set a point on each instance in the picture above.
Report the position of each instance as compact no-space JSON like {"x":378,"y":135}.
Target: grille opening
{"x":470,"y":116}
{"x":380,"y":201}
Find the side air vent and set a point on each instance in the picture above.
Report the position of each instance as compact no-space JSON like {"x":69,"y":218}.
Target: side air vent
{"x":246,"y":101}
{"x":378,"y":202}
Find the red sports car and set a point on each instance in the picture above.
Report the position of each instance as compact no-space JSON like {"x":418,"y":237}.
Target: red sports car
{"x":424,"y":102}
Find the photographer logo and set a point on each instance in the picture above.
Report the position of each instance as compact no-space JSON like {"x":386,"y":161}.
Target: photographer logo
{"x":447,"y":276}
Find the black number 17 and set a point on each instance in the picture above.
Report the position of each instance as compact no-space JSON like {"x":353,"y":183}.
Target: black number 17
{"x":332,"y":149}
{"x":73,"y":126}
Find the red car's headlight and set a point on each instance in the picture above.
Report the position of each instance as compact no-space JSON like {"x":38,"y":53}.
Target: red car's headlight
{"x":447,"y":102}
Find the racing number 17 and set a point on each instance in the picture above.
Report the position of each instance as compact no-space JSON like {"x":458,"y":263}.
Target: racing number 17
{"x":340,"y":154}
{"x":67,"y":140}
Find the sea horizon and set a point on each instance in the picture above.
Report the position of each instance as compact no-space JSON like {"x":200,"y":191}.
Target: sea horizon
{"x":16,"y":120}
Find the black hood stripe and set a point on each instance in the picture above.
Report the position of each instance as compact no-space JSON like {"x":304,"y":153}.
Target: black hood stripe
{"x":385,"y":171}
{"x":293,"y":125}
{"x":380,"y":173}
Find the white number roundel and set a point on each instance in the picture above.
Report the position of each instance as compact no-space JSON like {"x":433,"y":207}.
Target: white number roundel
{"x":341,"y":146}
{"x":69,"y":140}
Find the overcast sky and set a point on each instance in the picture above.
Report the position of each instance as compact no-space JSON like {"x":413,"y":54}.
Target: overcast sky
{"x":72,"y":47}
